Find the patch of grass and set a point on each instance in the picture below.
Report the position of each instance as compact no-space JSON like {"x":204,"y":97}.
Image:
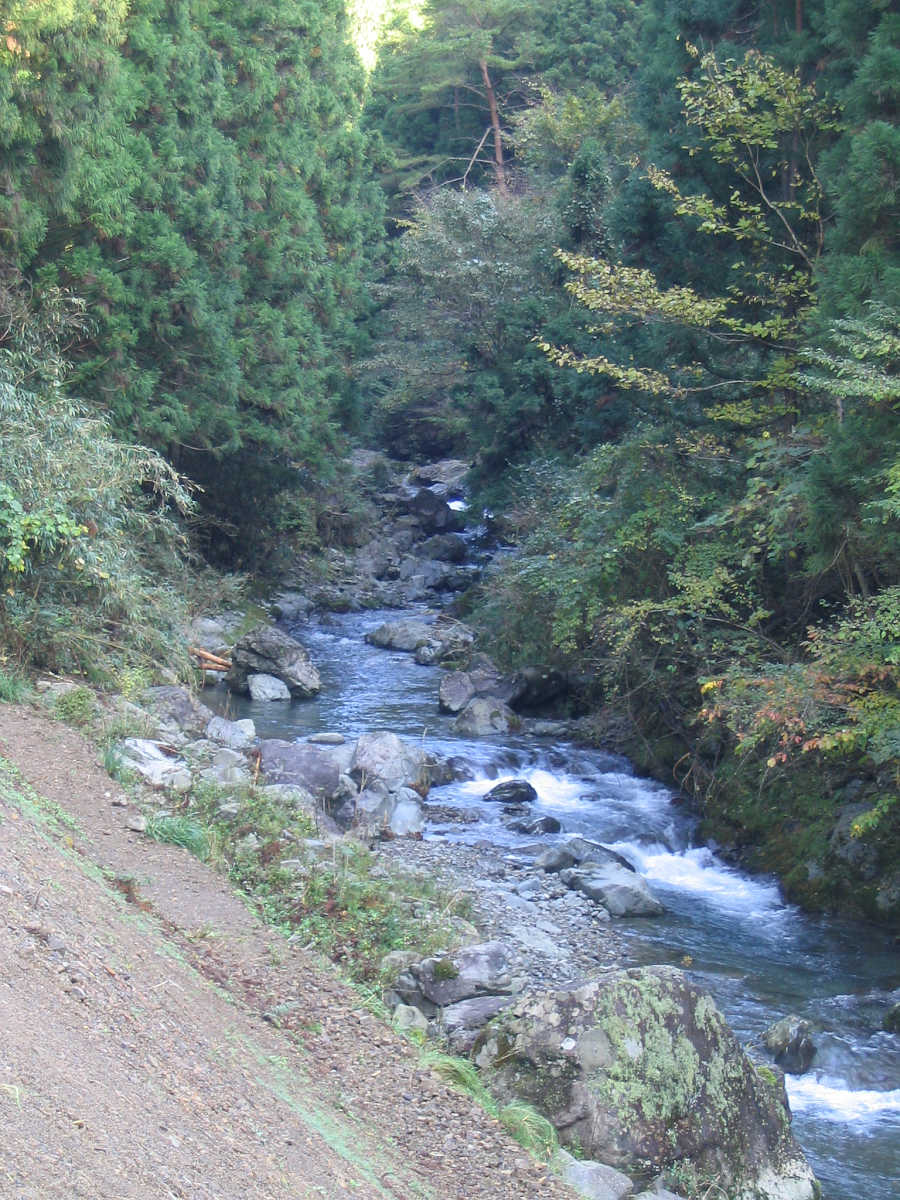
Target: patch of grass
{"x":524,"y":1123}
{"x":181,"y":831}
{"x":115,"y":768}
{"x":337,"y":899}
{"x":530,"y":1129}
{"x":77,"y":707}
{"x":14,"y":686}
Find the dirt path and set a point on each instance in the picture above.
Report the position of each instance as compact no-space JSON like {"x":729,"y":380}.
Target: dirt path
{"x":135,"y":1057}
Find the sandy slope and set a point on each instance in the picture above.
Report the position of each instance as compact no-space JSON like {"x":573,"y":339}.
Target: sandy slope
{"x":134,"y":1057}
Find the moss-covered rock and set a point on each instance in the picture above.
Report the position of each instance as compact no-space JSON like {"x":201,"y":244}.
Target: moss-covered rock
{"x":640,"y":1070}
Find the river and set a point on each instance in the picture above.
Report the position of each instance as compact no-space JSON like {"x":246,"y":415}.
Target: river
{"x":759,"y":957}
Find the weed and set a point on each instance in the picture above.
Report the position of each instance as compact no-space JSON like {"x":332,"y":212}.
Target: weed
{"x":530,"y":1129}
{"x":181,"y":831}
{"x":76,"y":707}
{"x":14,"y":687}
{"x":115,"y":768}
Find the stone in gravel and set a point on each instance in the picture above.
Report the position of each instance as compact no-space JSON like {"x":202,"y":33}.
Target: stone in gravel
{"x":327,"y":739}
{"x":512,"y":791}
{"x":489,"y":969}
{"x":136,"y":822}
{"x":267,"y":688}
{"x":529,"y":887}
{"x":592,"y":1180}
{"x":406,"y":1017}
{"x":157,"y":767}
{"x":238,"y":735}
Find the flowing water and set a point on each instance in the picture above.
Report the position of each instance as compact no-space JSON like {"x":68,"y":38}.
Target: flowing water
{"x":759,"y":957}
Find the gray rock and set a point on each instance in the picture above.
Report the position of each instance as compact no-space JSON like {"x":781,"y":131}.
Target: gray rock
{"x":267,"y":687}
{"x":455,"y":691}
{"x":136,"y":822}
{"x":535,"y":687}
{"x":327,"y":739}
{"x":512,"y":791}
{"x":445,"y":547}
{"x":239,"y":735}
{"x":484,"y":716}
{"x":448,"y":472}
{"x":789,"y":1041}
{"x":159,"y":768}
{"x":489,"y":969}
{"x":400,"y":635}
{"x":407,"y":818}
{"x":536,"y":825}
{"x":296,"y":797}
{"x":433,"y":513}
{"x":461,"y":1022}
{"x":267,"y":650}
{"x":176,"y":706}
{"x":291,"y":606}
{"x":316,"y":769}
{"x":852,"y":851}
{"x":641,"y":1070}
{"x":578,"y":851}
{"x":382,"y":755}
{"x":622,"y":893}
{"x":406,"y":1017}
{"x":592,"y":1180}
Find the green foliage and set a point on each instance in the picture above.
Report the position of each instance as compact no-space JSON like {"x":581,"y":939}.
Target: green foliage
{"x":77,"y":707}
{"x":195,"y":172}
{"x":91,"y":559}
{"x":14,"y":686}
{"x":180,"y":831}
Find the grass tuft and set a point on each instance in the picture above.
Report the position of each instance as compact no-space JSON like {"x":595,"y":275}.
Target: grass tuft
{"x":14,"y":687}
{"x":181,"y":831}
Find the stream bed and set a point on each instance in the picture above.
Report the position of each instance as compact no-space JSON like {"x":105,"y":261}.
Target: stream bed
{"x":760,"y":958}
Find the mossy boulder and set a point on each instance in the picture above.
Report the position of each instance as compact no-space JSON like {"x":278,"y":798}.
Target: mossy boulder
{"x":640,"y":1070}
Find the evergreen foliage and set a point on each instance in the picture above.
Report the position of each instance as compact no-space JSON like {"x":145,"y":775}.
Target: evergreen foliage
{"x":195,"y":172}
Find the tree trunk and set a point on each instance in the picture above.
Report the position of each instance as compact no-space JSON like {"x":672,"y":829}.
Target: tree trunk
{"x":499,"y":165}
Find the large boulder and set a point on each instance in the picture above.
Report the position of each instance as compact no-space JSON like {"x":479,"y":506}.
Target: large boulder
{"x":445,"y":547}
{"x":623,"y":893}
{"x":484,"y":716}
{"x":316,"y":769}
{"x":579,"y":851}
{"x":382,"y":755}
{"x":593,"y":1181}
{"x":640,"y":1070}
{"x":455,"y":691}
{"x":433,"y":512}
{"x":405,"y":635}
{"x":536,"y":687}
{"x":178,"y":709}
{"x":449,"y":473}
{"x":269,"y":651}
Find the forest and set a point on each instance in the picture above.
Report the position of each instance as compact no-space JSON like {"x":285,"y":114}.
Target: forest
{"x":638,"y":262}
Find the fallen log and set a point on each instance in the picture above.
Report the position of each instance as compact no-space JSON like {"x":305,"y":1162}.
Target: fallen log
{"x":208,"y":661}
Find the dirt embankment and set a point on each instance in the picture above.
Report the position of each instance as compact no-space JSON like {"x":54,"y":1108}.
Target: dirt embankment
{"x":156,"y":1040}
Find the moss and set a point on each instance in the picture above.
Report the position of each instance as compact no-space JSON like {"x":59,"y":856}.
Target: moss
{"x":445,"y":968}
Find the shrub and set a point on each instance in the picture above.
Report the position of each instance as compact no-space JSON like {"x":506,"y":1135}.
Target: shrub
{"x":92,"y":560}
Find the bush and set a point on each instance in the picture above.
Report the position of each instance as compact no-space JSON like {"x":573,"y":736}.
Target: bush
{"x":92,"y":560}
